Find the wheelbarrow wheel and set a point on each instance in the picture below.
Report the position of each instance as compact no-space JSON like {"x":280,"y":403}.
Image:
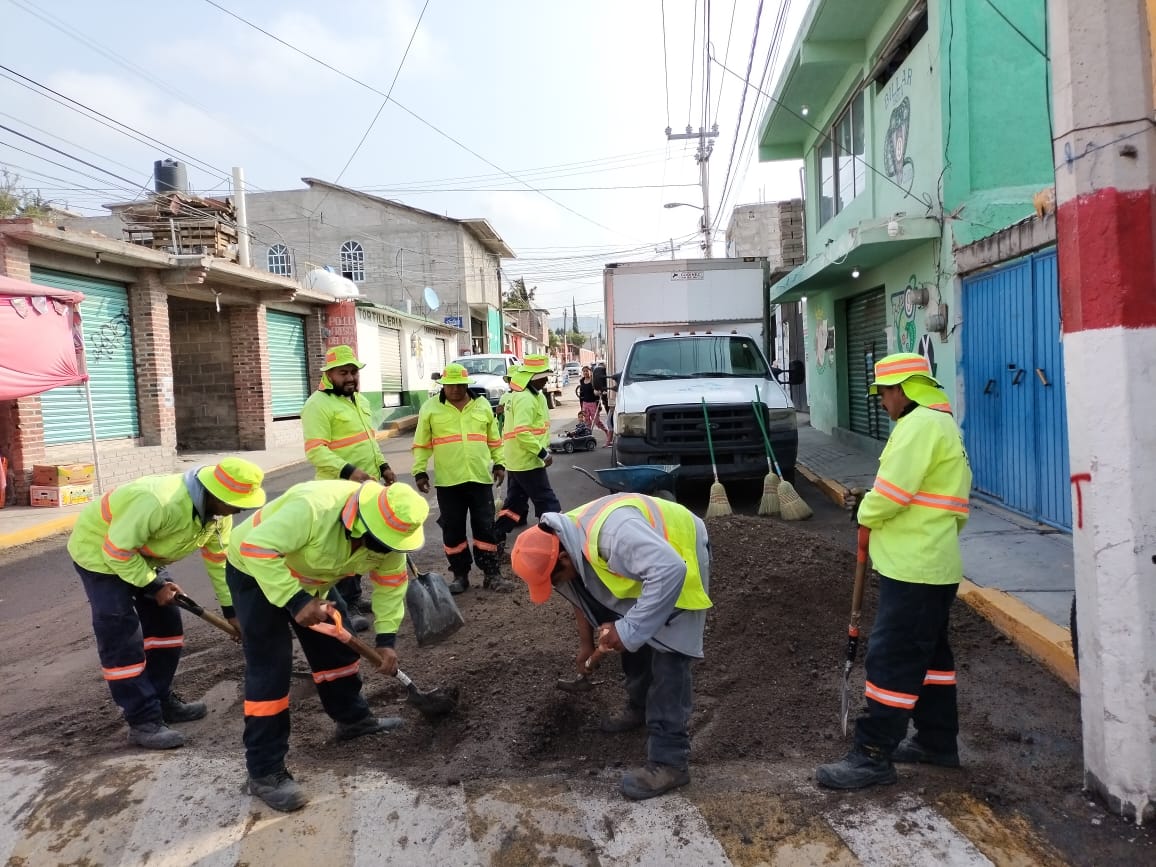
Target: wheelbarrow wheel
{"x":664,"y":494}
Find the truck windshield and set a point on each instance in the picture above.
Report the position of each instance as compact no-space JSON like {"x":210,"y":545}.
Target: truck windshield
{"x":689,"y":357}
{"x":492,"y":366}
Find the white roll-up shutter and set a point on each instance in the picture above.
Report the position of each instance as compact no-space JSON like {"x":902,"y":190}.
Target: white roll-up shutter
{"x":442,"y":358}
{"x":391,"y":360}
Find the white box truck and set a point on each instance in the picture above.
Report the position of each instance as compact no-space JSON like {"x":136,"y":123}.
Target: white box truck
{"x":681,"y":331}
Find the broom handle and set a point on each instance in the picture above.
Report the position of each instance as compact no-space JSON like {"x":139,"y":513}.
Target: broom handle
{"x":709,"y":440}
{"x":766,"y":436}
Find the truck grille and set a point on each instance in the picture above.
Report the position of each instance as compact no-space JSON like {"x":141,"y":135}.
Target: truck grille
{"x":733,"y":426}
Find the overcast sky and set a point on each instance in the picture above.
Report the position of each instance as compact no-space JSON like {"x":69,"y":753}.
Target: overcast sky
{"x":560,"y":95}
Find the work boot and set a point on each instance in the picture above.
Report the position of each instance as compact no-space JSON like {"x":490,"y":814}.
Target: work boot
{"x":628,"y":720}
{"x":494,"y":581}
{"x":358,"y":622}
{"x":279,"y":790}
{"x":860,"y":768}
{"x":911,"y":751}
{"x":652,"y":780}
{"x":365,"y":606}
{"x":155,"y":736}
{"x":175,"y":710}
{"x":460,"y":584}
{"x":367,"y":726}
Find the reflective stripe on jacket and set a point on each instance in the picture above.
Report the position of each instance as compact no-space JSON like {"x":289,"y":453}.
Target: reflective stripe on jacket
{"x":526,"y":432}
{"x":339,"y":431}
{"x":919,"y":502}
{"x":148,"y":523}
{"x":464,"y":444}
{"x":300,"y":542}
{"x":672,"y":521}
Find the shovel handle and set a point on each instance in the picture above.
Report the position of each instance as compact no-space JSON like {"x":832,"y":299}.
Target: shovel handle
{"x":593,"y":659}
{"x":863,"y":541}
{"x":208,"y":616}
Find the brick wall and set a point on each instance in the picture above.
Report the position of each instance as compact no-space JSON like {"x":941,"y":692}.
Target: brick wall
{"x":152,"y":361}
{"x":315,"y":343}
{"x":771,"y":229}
{"x":251,"y":388}
{"x":206,"y":408}
{"x":286,"y":432}
{"x":121,"y":460}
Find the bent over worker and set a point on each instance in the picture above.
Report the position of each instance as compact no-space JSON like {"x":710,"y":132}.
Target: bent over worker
{"x":525,"y":451}
{"x":341,"y":443}
{"x":282,"y":563}
{"x":458,"y":430}
{"x":637,"y":570}
{"x":120,"y":546}
{"x":915,"y":512}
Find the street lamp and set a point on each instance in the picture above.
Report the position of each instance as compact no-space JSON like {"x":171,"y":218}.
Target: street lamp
{"x":703,"y":223}
{"x":681,"y":205}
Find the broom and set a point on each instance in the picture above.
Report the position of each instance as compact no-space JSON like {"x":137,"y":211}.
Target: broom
{"x":769,"y":504}
{"x":791,"y":505}
{"x":719,"y":505}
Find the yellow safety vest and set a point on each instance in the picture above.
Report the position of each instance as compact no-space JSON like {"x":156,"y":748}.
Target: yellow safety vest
{"x":674,"y":522}
{"x":464,"y":443}
{"x":527,"y":431}
{"x":339,"y":431}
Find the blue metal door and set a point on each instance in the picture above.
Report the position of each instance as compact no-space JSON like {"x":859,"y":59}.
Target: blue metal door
{"x":1014,"y":420}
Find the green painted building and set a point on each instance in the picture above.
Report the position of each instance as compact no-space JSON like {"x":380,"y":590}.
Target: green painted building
{"x":923,"y":126}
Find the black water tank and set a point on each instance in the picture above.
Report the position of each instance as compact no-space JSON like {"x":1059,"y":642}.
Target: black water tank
{"x":169,"y":176}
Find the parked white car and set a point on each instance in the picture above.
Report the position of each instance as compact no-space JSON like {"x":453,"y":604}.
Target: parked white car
{"x":487,"y":372}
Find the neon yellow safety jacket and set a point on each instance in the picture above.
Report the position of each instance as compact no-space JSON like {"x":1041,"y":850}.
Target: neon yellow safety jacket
{"x":299,"y":546}
{"x":919,"y":502}
{"x":464,"y":444}
{"x":527,"y":431}
{"x":674,"y":522}
{"x":339,"y":435}
{"x":149,"y":523}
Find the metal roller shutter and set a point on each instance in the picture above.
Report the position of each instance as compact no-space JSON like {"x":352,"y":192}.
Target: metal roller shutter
{"x":288,"y":368}
{"x":866,"y":344}
{"x":391,"y":360}
{"x":109,"y":356}
{"x":441,"y":357}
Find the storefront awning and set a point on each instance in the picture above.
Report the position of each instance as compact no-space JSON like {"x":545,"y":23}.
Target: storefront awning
{"x":863,"y":247}
{"x":41,"y":335}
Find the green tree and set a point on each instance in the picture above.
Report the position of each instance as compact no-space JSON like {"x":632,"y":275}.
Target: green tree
{"x":518,"y":297}
{"x":577,"y":339}
{"x":555,"y":340}
{"x":18,"y":201}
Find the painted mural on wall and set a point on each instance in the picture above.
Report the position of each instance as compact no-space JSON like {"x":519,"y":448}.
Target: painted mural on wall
{"x":824,"y":341}
{"x":902,"y":332}
{"x":896,"y":163}
{"x":417,"y":352}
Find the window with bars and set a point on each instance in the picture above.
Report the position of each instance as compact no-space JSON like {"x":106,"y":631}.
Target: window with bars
{"x":840,"y":158}
{"x":279,"y":261}
{"x":353,"y":262}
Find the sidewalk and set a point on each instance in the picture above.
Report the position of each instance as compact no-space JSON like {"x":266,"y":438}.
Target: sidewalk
{"x":1019,"y":575}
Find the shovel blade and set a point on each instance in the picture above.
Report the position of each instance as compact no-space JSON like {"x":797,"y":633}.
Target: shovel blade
{"x":435,"y":702}
{"x":432,"y":610}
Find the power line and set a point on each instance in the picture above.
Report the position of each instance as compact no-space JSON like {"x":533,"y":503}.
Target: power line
{"x":665,"y":65}
{"x":742,"y":101}
{"x":1023,"y":35}
{"x":693,"y":39}
{"x":726,"y":58}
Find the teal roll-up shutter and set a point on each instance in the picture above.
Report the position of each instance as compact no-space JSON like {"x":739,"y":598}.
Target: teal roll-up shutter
{"x":288,"y":369}
{"x":108,"y":354}
{"x":866,"y":344}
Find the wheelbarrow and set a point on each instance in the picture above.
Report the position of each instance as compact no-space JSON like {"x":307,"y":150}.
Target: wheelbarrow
{"x":654,"y":479}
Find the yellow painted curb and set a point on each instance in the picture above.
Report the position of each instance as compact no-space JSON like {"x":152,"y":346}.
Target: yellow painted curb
{"x":1030,"y":631}
{"x":39,"y":531}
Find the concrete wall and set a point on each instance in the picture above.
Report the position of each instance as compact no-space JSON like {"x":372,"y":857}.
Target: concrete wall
{"x":206,"y":411}
{"x":771,"y":229}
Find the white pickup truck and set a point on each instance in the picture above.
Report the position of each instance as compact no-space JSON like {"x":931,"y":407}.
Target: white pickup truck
{"x":487,"y":371}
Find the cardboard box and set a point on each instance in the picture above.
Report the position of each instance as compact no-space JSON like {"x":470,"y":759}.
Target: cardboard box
{"x":51,"y":496}
{"x":56,"y":475}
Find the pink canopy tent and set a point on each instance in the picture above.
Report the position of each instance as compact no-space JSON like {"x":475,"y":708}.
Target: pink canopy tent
{"x":41,"y":343}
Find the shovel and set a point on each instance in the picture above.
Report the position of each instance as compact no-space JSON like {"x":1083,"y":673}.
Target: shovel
{"x":853,"y":628}
{"x":583,"y":682}
{"x":432,"y":609}
{"x":432,"y":704}
{"x":208,"y":616}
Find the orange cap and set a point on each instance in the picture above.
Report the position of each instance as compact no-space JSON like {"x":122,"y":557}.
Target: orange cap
{"x":533,"y":559}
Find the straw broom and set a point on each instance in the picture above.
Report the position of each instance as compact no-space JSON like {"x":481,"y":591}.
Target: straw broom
{"x":791,"y":505}
{"x":769,"y":504}
{"x":719,"y":505}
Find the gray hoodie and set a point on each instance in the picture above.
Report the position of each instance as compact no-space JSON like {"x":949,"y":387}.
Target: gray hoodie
{"x":633,"y":549}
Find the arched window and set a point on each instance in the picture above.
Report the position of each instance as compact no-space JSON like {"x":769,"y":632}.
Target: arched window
{"x":353,"y":262}
{"x":279,"y":261}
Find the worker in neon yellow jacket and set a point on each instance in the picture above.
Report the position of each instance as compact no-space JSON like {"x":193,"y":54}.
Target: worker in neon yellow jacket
{"x":282,"y":563}
{"x":120,"y":547}
{"x":341,"y":442}
{"x":525,"y":447}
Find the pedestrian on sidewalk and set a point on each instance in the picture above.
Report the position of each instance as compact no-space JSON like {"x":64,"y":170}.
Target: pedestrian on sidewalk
{"x":637,"y":572}
{"x":341,"y":442}
{"x":458,"y":430}
{"x":915,"y":511}
{"x":591,"y":400}
{"x":120,"y":547}
{"x":282,"y":563}
{"x":525,"y":447}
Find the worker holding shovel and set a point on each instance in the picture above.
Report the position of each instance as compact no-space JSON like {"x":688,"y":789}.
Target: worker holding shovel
{"x":636,"y":570}
{"x":120,"y":546}
{"x":282,"y":563}
{"x":914,"y":512}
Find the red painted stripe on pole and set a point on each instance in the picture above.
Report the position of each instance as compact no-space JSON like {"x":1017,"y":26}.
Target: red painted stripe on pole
{"x":1107,"y":256}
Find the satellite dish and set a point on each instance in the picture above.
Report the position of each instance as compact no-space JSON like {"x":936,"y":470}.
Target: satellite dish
{"x":431,"y":298}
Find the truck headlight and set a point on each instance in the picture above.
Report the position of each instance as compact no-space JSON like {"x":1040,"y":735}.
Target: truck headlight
{"x":781,"y":420}
{"x":631,"y":424}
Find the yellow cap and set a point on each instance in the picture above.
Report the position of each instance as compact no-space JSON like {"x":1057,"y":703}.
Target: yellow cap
{"x":455,"y":374}
{"x":235,"y":482}
{"x":897,"y":367}
{"x":393,"y":515}
{"x":339,"y":356}
{"x":535,"y":365}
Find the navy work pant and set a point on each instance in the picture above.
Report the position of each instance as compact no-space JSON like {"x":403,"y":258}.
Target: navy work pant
{"x":523,"y":486}
{"x":660,"y":682}
{"x":267,"y":634}
{"x":910,"y":669}
{"x":138,"y":641}
{"x":456,"y":503}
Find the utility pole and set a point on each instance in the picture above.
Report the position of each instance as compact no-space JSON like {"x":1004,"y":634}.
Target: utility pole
{"x":669,"y":249}
{"x":702,"y":157}
{"x":1103,"y":92}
